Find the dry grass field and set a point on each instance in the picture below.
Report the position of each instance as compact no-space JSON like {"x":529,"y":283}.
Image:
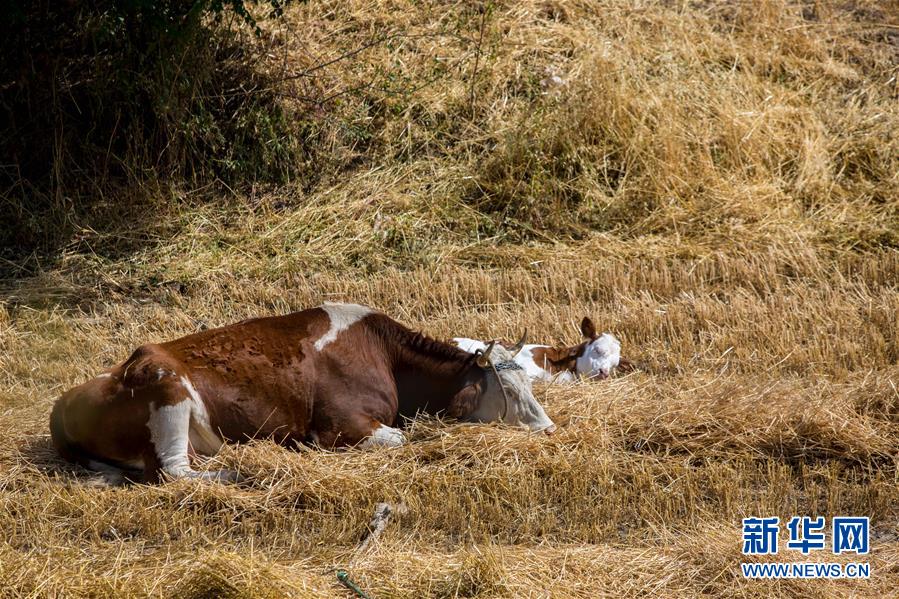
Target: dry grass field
{"x":715,"y":182}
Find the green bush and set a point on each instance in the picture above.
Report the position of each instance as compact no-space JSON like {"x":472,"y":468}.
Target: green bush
{"x":99,"y":93}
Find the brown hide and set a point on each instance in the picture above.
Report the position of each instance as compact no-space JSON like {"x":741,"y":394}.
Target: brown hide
{"x":557,"y":359}
{"x":264,"y":378}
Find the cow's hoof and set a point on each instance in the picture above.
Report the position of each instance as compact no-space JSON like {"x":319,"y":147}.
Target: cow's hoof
{"x":385,"y":436}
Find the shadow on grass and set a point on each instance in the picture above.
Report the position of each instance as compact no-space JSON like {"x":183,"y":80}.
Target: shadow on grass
{"x":38,"y":455}
{"x":67,"y":267}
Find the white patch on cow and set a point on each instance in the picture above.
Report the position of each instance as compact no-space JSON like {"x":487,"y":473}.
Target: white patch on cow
{"x":203,"y":439}
{"x":173,"y":427}
{"x":342,"y":316}
{"x":105,"y":375}
{"x":384,"y":436}
{"x":169,"y":432}
{"x":469,"y":345}
{"x":600,"y":357}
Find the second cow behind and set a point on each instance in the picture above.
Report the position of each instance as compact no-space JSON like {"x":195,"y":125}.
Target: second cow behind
{"x":594,"y":358}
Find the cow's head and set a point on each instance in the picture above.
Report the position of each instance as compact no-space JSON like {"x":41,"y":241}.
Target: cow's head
{"x":501,"y":391}
{"x":601,"y":352}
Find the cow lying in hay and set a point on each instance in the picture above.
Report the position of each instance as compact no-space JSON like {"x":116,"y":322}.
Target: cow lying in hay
{"x":337,"y":375}
{"x":593,"y":358}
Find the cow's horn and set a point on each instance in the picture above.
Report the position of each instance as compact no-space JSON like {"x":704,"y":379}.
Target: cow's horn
{"x":484,"y":358}
{"x":518,"y":346}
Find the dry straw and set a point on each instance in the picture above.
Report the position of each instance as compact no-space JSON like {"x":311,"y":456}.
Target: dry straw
{"x":714,"y":182}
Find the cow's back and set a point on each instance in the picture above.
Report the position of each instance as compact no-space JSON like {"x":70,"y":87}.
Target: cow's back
{"x":257,"y":376}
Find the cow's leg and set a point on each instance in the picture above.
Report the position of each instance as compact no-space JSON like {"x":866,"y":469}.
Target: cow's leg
{"x":355,"y":416}
{"x":170,"y":431}
{"x":384,"y":436}
{"x":357,"y":430}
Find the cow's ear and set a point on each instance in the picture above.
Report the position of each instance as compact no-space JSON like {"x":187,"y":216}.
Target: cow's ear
{"x":588,"y":329}
{"x":464,"y":402}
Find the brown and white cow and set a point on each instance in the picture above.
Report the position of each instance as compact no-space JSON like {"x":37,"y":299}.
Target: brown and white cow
{"x":337,"y":375}
{"x":593,"y":358}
